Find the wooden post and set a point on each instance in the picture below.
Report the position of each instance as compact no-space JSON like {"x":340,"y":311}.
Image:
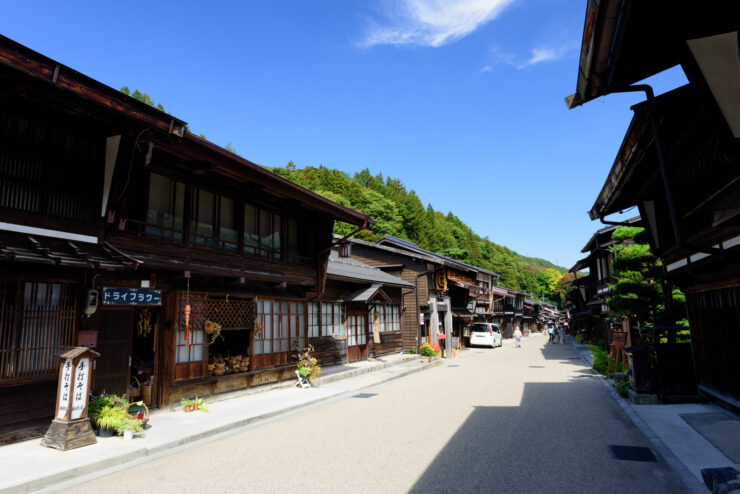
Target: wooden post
{"x":616,"y":350}
{"x":70,"y":428}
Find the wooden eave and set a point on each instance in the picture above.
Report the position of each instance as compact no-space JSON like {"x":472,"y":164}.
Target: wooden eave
{"x":53,"y":74}
{"x":199,"y":153}
{"x":626,"y":41}
{"x":203,"y":155}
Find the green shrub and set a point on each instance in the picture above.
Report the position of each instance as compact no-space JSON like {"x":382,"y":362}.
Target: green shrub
{"x":412,"y":351}
{"x":601,"y":360}
{"x":579,"y":338}
{"x":623,"y":389}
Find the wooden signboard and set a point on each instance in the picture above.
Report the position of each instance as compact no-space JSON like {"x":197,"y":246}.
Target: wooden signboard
{"x":616,"y":351}
{"x":131,"y":296}
{"x":71,"y":427}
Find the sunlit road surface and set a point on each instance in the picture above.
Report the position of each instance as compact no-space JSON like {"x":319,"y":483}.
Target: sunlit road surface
{"x":524,"y":420}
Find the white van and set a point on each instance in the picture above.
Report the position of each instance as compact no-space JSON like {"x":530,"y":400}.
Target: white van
{"x":485,"y":334}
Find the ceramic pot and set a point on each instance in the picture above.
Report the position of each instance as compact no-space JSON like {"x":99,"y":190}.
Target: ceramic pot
{"x":188,"y":409}
{"x":105,"y":432}
{"x":128,"y":435}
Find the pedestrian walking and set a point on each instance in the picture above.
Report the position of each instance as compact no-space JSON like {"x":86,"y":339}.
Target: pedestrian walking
{"x":551,"y":332}
{"x":561,"y":335}
{"x":518,"y":337}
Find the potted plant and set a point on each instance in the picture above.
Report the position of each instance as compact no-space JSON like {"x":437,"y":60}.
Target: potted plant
{"x":106,"y":411}
{"x":430,"y":350}
{"x":306,"y":364}
{"x":200,"y":404}
{"x":214,"y":330}
{"x":187,"y":405}
{"x":129,"y":427}
{"x":109,"y":419}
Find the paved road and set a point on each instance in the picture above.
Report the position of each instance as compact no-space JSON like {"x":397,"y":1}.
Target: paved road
{"x":506,"y":420}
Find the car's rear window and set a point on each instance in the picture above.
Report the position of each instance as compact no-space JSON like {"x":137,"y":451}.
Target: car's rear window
{"x":480,"y":328}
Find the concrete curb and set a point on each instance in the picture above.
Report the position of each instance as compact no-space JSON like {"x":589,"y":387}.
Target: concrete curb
{"x":691,"y":483}
{"x":139,"y":455}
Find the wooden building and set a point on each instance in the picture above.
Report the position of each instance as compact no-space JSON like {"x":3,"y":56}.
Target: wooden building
{"x":446,"y":291}
{"x":456,"y":285}
{"x":359,"y":314}
{"x":679,"y":162}
{"x":120,"y":228}
{"x":508,"y":309}
{"x":592,"y":290}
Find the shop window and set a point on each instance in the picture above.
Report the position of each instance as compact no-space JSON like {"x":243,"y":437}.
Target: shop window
{"x":283,"y":327}
{"x":195,"y":351}
{"x":388,"y":317}
{"x":332,"y":320}
{"x":166,"y":208}
{"x":38,"y":320}
{"x":313,"y":320}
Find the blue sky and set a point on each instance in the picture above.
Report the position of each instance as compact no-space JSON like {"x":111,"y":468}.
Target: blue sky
{"x":461,"y":100}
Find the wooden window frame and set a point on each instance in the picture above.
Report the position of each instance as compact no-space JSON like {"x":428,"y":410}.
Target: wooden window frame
{"x":21,"y":325}
{"x":279,"y":228}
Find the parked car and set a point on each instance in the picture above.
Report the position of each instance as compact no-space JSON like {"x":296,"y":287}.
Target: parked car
{"x":485,"y":334}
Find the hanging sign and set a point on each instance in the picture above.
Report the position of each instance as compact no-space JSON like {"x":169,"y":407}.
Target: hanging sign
{"x":131,"y":296}
{"x":440,"y":280}
{"x":421,"y":318}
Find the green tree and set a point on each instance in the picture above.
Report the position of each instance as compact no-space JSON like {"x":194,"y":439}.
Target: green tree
{"x":642,"y":291}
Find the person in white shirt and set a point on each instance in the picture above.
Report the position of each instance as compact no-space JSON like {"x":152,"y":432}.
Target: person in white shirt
{"x":518,"y":337}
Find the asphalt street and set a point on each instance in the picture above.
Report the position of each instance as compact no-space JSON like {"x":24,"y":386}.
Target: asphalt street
{"x":526,"y":420}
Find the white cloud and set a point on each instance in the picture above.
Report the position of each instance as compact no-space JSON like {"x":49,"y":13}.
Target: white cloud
{"x":540,"y":54}
{"x":431,"y":22}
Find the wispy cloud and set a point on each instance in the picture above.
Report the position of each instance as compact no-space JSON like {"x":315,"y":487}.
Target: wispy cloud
{"x":430,"y":22}
{"x":538,"y":55}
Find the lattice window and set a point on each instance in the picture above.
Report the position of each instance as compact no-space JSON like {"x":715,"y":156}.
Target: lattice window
{"x":229,"y":311}
{"x":36,"y":321}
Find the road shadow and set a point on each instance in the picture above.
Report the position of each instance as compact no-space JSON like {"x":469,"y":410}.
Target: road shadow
{"x":556,"y":440}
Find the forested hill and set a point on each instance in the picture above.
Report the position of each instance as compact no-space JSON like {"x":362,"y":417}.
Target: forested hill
{"x":400,"y":213}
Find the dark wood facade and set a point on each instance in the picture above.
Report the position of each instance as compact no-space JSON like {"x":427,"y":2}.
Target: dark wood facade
{"x":679,"y":161}
{"x":412,"y":270}
{"x":101,"y":192}
{"x":591,"y":291}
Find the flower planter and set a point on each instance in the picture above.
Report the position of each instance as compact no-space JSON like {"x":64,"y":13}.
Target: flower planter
{"x":188,"y":408}
{"x":195,"y":408}
{"x":128,"y":435}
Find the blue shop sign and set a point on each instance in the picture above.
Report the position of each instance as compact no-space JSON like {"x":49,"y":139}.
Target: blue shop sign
{"x":131,"y":296}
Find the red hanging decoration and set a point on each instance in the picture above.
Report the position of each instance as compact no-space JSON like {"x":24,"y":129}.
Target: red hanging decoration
{"x":187,"y":324}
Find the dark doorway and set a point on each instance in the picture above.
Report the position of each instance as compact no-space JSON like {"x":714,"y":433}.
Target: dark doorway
{"x":113,"y":368}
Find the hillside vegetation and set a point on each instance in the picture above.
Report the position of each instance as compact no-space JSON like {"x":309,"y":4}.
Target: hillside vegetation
{"x":399,"y":212}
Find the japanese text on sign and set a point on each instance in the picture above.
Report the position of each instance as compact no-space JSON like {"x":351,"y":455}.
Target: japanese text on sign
{"x":64,"y":389}
{"x":131,"y":296}
{"x":79,"y":394}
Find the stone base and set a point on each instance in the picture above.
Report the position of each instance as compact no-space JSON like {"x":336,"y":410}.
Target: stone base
{"x":643,"y":398}
{"x":66,"y":436}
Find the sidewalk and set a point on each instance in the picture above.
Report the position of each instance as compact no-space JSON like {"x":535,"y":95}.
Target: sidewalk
{"x":27,"y":466}
{"x":690,"y":436}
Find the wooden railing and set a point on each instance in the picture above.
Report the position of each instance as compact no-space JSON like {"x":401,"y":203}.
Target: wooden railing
{"x":204,"y":242}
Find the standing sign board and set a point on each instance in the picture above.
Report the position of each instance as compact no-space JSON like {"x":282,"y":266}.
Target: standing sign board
{"x":71,"y":427}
